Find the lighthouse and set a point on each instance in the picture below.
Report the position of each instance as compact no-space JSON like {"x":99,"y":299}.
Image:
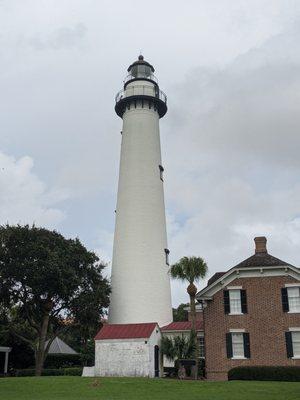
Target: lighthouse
{"x":140,"y":281}
{"x":140,"y":302}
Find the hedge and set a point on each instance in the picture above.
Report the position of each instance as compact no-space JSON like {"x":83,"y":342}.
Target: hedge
{"x":63,"y":361}
{"x":73,"y":371}
{"x":258,"y":373}
{"x":51,"y":372}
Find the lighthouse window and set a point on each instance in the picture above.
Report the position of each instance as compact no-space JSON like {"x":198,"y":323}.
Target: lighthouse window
{"x":161,"y":172}
{"x":167,"y":252}
{"x":140,"y":71}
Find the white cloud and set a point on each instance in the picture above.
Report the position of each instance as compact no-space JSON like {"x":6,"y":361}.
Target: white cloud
{"x":24,"y":198}
{"x":104,"y":242}
{"x":60,"y":38}
{"x":230,"y":139}
{"x":238,"y":171}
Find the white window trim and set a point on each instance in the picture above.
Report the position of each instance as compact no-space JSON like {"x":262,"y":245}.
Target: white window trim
{"x":292,"y":285}
{"x":237,"y":331}
{"x":295,"y":329}
{"x":203,"y":346}
{"x":238,"y":313}
{"x":234,"y":287}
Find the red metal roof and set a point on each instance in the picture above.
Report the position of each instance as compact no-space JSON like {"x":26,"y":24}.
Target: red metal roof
{"x":182,"y":326}
{"x":126,"y":331}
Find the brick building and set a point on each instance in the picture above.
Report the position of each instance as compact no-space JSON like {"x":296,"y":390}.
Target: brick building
{"x":251,"y":314}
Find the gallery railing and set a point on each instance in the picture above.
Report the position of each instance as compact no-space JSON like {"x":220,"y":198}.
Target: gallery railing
{"x":141,"y":90}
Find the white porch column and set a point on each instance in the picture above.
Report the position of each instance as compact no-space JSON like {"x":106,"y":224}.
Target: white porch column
{"x":5,"y":350}
{"x":6,"y":362}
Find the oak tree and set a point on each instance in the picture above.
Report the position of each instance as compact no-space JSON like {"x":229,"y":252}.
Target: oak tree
{"x":47,"y":277}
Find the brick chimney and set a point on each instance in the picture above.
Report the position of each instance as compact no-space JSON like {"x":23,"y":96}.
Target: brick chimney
{"x":260,"y":244}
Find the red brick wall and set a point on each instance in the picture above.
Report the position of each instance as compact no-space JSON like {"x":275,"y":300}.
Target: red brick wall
{"x":199,"y":315}
{"x":265,"y":322}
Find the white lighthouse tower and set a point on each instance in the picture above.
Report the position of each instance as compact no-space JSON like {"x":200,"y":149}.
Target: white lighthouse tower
{"x":140,"y":282}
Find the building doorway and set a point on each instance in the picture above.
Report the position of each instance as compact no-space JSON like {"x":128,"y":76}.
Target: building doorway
{"x":156,"y":361}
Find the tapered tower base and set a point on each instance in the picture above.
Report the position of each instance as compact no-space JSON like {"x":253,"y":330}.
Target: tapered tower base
{"x":140,"y":281}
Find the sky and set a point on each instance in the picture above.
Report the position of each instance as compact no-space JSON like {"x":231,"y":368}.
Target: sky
{"x":230,"y":139}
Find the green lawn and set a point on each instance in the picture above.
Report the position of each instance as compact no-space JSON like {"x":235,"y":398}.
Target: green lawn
{"x":76,"y":388}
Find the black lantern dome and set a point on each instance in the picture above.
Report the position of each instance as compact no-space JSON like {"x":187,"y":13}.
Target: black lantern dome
{"x":140,"y":70}
{"x":148,"y":95}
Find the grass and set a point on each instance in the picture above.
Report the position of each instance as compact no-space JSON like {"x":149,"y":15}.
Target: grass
{"x":77,"y":388}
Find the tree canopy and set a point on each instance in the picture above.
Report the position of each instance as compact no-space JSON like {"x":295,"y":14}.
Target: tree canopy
{"x":49,"y":279}
{"x":180,"y":313}
{"x":189,"y":269}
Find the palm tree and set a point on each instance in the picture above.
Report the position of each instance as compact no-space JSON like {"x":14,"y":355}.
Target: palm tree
{"x":191,"y":269}
{"x":178,"y":348}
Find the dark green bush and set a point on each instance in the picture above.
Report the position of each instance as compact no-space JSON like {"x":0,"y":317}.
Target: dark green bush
{"x":25,"y":372}
{"x":76,"y":371}
{"x":51,"y":372}
{"x":170,"y":372}
{"x":291,"y":374}
{"x":63,"y":360}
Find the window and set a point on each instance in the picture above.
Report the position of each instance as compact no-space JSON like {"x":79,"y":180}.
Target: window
{"x":161,"y":172}
{"x":238,"y":345}
{"x":294,"y":299}
{"x":201,"y":347}
{"x":293,"y":343}
{"x":296,"y":343}
{"x":235,"y":301}
{"x":141,"y":71}
{"x":291,"y":299}
{"x":167,"y":252}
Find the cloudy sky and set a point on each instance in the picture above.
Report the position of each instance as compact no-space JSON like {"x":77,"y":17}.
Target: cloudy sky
{"x":230,"y":141}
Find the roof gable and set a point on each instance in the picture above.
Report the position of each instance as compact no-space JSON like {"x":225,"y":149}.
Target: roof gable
{"x":215,"y":277}
{"x":258,"y":271}
{"x":126,"y":331}
{"x":260,"y":264}
{"x":261,"y":260}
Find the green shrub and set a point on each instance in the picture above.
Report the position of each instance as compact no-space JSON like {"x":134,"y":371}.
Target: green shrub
{"x":76,"y":371}
{"x":170,"y":372}
{"x":291,"y":374}
{"x":25,"y":372}
{"x":63,"y":360}
{"x":51,"y":372}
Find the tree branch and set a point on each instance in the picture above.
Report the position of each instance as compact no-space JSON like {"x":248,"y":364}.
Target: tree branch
{"x":24,"y":299}
{"x":31,"y":322}
{"x":31,"y":342}
{"x":50,"y":341}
